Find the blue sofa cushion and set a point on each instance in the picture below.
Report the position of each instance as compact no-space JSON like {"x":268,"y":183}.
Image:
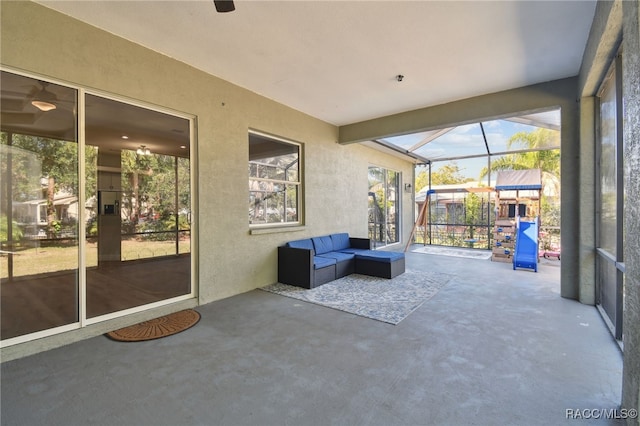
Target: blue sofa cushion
{"x":380,"y":256}
{"x":338,"y":256}
{"x":354,"y":250}
{"x":302,"y":244}
{"x":340,"y":241}
{"x":322,"y":244}
{"x":322,"y":262}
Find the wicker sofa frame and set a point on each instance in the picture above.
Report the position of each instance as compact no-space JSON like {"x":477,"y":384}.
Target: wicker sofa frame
{"x":311,"y":262}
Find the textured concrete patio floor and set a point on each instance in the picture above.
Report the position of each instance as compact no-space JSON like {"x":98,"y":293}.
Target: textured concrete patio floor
{"x":493,"y":347}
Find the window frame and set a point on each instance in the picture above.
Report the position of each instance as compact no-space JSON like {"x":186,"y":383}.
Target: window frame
{"x":610,"y":266}
{"x":297,"y":183}
{"x":387,"y":188}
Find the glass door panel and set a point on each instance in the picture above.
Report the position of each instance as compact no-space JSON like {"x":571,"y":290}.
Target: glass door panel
{"x":39,"y":207}
{"x":138,"y":186}
{"x":384,"y":210}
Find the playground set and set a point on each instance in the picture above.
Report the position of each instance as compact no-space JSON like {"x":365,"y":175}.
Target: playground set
{"x":516,"y":236}
{"x":516,"y":232}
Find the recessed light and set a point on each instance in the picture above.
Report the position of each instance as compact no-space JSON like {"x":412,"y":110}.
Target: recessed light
{"x":183,"y":146}
{"x":125,"y":137}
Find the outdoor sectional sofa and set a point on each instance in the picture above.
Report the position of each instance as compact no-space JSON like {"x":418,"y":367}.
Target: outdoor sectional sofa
{"x":311,"y":262}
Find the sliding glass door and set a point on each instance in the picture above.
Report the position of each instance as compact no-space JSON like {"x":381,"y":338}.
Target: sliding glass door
{"x":91,"y":227}
{"x":38,"y":206}
{"x":384,"y":207}
{"x":138,"y":222}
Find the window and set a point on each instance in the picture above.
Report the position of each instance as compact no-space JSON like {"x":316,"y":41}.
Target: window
{"x":610,"y":229}
{"x":274,"y":181}
{"x":384,"y":208}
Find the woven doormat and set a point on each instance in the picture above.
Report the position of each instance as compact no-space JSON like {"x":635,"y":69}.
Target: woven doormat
{"x":157,"y":328}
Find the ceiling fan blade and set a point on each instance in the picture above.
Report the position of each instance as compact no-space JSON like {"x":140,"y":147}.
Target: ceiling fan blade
{"x":224,"y":5}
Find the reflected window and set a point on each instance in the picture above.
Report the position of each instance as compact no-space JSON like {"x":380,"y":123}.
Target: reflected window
{"x":274,"y":181}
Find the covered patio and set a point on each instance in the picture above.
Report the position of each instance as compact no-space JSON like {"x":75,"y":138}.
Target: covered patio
{"x":494,"y":346}
{"x":331,"y":85}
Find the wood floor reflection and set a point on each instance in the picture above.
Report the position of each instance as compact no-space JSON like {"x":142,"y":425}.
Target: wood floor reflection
{"x":35,"y":303}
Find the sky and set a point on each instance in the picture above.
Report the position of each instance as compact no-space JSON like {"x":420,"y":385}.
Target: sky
{"x":464,"y":141}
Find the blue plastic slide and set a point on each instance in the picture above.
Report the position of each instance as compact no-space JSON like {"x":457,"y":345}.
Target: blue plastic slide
{"x":526,"y":252}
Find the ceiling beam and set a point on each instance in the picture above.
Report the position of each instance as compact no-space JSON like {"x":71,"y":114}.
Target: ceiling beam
{"x":522,"y":101}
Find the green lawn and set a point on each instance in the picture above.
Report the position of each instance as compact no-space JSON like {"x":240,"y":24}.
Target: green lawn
{"x":39,"y":260}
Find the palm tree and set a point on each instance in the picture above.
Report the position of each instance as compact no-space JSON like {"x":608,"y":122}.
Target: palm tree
{"x":547,"y":160}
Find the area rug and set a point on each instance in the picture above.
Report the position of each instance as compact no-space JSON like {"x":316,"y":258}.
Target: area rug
{"x":454,"y":251}
{"x":380,"y":299}
{"x":158,"y":327}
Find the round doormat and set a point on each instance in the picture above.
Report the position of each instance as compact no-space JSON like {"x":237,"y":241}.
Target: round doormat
{"x":157,"y":328}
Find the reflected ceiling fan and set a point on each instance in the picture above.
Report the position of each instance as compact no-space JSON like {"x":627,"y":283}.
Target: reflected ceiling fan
{"x":26,"y":109}
{"x":43,"y":99}
{"x":223,"y":6}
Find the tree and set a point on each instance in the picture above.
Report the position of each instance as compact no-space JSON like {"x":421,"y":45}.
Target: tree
{"x":472,"y":211}
{"x":59,"y":166}
{"x":422,"y":180}
{"x":149,"y":188}
{"x":445,"y":175}
{"x":547,"y":160}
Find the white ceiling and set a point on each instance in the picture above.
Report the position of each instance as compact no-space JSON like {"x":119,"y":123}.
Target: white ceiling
{"x":337,"y":60}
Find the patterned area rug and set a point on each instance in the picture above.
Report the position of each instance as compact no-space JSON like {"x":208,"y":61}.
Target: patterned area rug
{"x":380,"y":299}
{"x":157,"y":327}
{"x":455,"y":252}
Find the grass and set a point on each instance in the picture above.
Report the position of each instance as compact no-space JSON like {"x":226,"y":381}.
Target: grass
{"x":38,"y":260}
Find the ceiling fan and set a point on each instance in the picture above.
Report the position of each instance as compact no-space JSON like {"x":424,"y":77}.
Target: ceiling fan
{"x":24,"y":109}
{"x":224,"y":5}
{"x":43,"y":99}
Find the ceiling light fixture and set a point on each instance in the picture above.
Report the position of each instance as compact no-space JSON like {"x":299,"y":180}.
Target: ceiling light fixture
{"x":143,"y":150}
{"x":44,"y":100}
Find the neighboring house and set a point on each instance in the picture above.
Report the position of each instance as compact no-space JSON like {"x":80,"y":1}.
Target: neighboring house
{"x":32,"y":215}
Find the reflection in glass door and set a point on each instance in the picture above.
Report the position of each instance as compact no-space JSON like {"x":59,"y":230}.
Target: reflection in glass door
{"x":138,"y":189}
{"x":39,"y":206}
{"x":133,"y":200}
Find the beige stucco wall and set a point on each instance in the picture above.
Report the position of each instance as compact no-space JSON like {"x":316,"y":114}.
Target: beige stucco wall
{"x":230,"y":259}
{"x":631,"y":137}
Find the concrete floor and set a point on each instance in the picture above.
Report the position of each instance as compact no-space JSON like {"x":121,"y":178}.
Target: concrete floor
{"x":493,"y":347}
